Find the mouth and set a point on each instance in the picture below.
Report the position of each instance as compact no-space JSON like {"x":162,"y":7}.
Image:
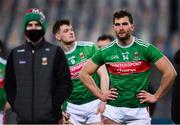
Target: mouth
{"x":121,"y":33}
{"x":71,"y":36}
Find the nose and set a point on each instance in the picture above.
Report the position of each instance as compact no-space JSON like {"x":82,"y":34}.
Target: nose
{"x":120,"y":26}
{"x":34,"y":26}
{"x":71,"y":32}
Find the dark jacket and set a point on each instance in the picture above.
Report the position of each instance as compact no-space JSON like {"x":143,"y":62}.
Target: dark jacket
{"x":175,"y":106}
{"x":37,"y":81}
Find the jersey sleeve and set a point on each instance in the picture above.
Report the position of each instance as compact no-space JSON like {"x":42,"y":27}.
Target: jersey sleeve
{"x":154,"y":54}
{"x":91,"y":49}
{"x":95,"y":49}
{"x":98,"y":58}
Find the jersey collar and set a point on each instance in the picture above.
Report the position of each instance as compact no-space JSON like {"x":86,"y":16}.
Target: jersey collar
{"x":70,"y":51}
{"x":125,"y":46}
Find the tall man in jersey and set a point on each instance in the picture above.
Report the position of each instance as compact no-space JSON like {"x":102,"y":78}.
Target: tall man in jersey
{"x":128,"y":62}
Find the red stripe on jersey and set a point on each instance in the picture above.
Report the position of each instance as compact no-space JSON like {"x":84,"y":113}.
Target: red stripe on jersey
{"x":76,"y":69}
{"x":1,"y":83}
{"x":125,"y":68}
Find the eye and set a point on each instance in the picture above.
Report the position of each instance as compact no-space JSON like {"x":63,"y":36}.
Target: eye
{"x":121,"y":24}
{"x":125,"y":24}
{"x":117,"y":24}
{"x":29,"y":24}
{"x":37,"y":24}
{"x":65,"y":31}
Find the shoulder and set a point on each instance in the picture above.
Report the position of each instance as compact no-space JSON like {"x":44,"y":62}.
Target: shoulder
{"x":109,"y":46}
{"x":18,"y":49}
{"x":52,"y":46}
{"x":141,"y":42}
{"x":48,"y":44}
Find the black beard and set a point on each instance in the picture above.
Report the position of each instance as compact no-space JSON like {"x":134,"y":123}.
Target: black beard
{"x":123,"y":39}
{"x":34,"y":35}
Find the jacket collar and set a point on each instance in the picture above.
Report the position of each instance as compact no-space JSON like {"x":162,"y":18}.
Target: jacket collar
{"x":38,"y":46}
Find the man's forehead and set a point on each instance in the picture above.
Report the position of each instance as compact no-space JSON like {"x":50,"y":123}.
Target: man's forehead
{"x":122,"y":19}
{"x":63,"y":27}
{"x":33,"y":22}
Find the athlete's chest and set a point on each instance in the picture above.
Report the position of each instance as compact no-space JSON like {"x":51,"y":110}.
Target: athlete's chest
{"x":78,"y":56}
{"x":76,"y":60}
{"x":124,"y":54}
{"x":126,"y":61}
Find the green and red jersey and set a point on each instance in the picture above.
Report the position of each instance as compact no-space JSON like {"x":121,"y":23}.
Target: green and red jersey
{"x":2,"y":92}
{"x":77,"y":58}
{"x":128,"y":68}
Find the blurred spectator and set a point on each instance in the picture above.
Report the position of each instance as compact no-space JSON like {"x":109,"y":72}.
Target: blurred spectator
{"x":159,"y":42}
{"x":174,"y":45}
{"x":104,"y":40}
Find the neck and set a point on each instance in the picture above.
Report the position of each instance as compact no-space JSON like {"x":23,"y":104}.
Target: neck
{"x":67,"y":46}
{"x":125,"y":42}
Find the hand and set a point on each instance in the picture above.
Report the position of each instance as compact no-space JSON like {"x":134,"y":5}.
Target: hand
{"x":65,"y":117}
{"x":7,"y":106}
{"x":111,"y":94}
{"x":146,"y":97}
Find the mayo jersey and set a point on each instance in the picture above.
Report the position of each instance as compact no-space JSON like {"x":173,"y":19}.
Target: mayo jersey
{"x":2,"y":92}
{"x":77,"y":58}
{"x":128,"y":68}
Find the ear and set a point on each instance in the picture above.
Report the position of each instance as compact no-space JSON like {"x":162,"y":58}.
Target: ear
{"x":132,"y":27}
{"x":57,"y":36}
{"x":113,"y":27}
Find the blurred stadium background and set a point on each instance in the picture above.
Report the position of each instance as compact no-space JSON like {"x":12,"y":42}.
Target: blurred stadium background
{"x":157,"y":21}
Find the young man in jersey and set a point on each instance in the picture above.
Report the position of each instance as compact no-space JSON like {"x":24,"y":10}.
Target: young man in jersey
{"x":2,"y":92}
{"x":82,"y":105}
{"x":4,"y":105}
{"x":128,"y":62}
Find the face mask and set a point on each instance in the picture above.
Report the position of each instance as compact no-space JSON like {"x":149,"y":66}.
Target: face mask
{"x":34,"y":35}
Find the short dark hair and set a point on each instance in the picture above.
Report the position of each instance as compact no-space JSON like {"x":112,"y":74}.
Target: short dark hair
{"x":105,"y":37}
{"x":59,"y":23}
{"x":122,"y":13}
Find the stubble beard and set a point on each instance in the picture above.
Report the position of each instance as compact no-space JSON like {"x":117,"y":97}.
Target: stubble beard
{"x":125,"y":38}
